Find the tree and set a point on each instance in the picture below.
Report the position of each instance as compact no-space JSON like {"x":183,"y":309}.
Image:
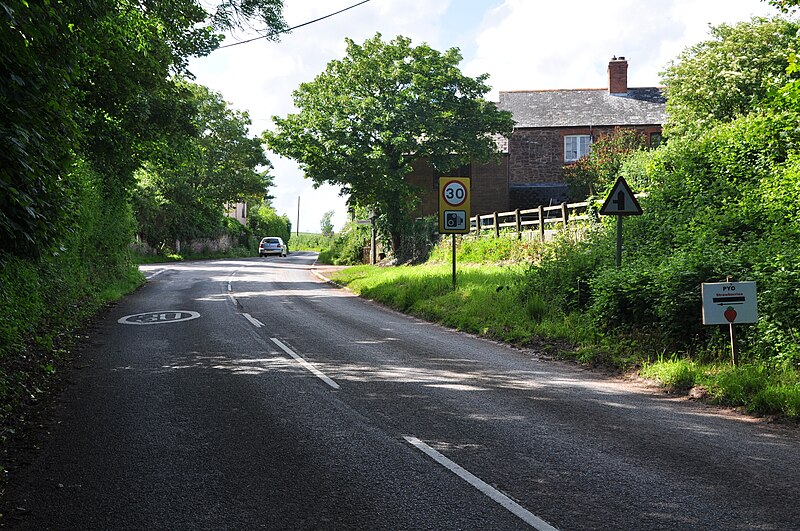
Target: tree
{"x":728,"y":75}
{"x":326,"y":225}
{"x":264,"y":221}
{"x":183,"y":190}
{"x":37,"y":121}
{"x":93,"y":81}
{"x":785,"y":5}
{"x":367,"y":117}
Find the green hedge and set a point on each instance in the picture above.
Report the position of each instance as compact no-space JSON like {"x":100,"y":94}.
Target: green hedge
{"x":722,"y":204}
{"x":42,"y":301}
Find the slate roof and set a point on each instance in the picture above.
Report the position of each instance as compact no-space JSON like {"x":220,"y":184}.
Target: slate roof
{"x":585,"y":107}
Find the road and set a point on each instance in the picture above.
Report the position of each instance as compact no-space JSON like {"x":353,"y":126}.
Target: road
{"x":248,"y":394}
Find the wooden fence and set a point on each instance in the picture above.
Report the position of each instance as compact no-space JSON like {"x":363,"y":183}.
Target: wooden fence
{"x":542,"y":218}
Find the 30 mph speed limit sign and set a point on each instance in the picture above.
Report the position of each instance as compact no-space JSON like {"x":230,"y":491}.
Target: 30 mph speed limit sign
{"x":454,"y":205}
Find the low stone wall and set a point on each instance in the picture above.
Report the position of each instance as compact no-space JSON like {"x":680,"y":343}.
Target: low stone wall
{"x":203,"y":245}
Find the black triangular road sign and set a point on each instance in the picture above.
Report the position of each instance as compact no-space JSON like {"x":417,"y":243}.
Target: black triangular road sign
{"x":621,"y":201}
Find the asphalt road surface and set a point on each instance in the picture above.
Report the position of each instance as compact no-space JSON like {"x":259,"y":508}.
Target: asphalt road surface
{"x":250,"y":394}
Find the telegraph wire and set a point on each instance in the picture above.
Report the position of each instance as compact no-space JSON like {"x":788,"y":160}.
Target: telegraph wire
{"x":293,"y":27}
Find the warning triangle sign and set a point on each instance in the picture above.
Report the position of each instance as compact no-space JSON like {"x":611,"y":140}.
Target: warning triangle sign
{"x":621,"y":201}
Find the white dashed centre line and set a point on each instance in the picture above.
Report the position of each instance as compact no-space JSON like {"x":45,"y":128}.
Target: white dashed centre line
{"x":512,"y":506}
{"x":306,"y":365}
{"x":255,"y":322}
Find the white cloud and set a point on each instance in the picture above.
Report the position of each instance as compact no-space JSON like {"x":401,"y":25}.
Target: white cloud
{"x":528,"y":45}
{"x":522,"y":44}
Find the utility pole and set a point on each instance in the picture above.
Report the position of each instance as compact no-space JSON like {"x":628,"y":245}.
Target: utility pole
{"x":297,"y":229}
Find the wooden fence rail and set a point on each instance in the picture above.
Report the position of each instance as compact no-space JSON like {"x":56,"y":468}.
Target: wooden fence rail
{"x":539,"y":218}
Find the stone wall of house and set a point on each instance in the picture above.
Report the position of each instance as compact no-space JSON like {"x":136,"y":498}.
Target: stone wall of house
{"x":536,"y":156}
{"x":489,"y":187}
{"x":536,"y":161}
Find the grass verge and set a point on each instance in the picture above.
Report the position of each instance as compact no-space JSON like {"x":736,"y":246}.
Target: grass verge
{"x":489,"y":301}
{"x":757,"y":387}
{"x":486,"y":301}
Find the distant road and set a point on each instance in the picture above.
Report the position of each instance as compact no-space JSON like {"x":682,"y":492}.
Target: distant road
{"x":246,"y":394}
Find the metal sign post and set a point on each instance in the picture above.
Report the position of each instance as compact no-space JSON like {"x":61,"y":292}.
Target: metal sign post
{"x":454,"y":262}
{"x":454,"y":210}
{"x":620,"y":202}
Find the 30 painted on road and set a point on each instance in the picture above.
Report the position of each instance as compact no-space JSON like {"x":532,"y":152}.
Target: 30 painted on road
{"x":159,"y":317}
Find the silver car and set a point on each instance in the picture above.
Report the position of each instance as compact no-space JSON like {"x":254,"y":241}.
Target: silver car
{"x":272,"y":245}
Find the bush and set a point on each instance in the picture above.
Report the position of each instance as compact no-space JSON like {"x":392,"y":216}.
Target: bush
{"x":348,"y":247}
{"x":42,"y":300}
{"x":417,"y":238}
{"x":565,"y":266}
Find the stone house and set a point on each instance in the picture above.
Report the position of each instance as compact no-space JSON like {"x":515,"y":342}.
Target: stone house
{"x":553,"y":128}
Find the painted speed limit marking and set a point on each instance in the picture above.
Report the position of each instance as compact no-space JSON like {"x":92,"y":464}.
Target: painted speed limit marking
{"x":160,"y":317}
{"x":454,"y":193}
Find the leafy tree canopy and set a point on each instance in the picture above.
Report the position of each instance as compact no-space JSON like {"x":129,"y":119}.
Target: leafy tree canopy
{"x":368,"y":116}
{"x":264,"y":221}
{"x":785,"y":5}
{"x":93,"y":80}
{"x":183,"y":190}
{"x":727,"y":76}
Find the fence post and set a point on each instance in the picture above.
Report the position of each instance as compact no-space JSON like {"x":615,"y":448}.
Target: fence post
{"x":477,"y":225}
{"x":519,"y":224}
{"x":541,"y":223}
{"x":564,"y":214}
{"x":496,"y":225}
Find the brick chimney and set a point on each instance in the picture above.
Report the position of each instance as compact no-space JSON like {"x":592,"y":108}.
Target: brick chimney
{"x":618,"y":75}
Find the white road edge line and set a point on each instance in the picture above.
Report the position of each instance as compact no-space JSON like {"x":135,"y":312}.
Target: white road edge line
{"x":155,"y":274}
{"x":305,"y":364}
{"x":512,"y":506}
{"x":255,"y":322}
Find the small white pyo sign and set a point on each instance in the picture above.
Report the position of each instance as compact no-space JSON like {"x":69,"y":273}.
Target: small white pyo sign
{"x":729,"y":303}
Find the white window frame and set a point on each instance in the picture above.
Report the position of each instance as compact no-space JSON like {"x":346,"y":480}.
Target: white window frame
{"x":576,"y":147}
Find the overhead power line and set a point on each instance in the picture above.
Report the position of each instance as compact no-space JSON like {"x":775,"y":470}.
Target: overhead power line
{"x":272,"y":34}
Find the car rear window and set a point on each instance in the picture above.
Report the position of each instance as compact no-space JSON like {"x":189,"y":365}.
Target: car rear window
{"x":271,"y":240}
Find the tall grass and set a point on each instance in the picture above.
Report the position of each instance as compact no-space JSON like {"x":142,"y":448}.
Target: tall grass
{"x":488,"y":300}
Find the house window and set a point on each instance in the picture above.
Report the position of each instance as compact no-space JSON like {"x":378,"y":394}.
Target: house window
{"x":576,"y":146}
{"x":655,"y":140}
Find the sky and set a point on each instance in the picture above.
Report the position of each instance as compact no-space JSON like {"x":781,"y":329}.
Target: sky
{"x":521,"y":44}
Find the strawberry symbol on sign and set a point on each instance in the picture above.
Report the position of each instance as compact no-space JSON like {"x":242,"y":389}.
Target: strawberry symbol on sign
{"x":730,"y":314}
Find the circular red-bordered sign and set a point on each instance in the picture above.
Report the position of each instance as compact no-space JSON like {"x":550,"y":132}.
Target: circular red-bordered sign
{"x":454,"y":193}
